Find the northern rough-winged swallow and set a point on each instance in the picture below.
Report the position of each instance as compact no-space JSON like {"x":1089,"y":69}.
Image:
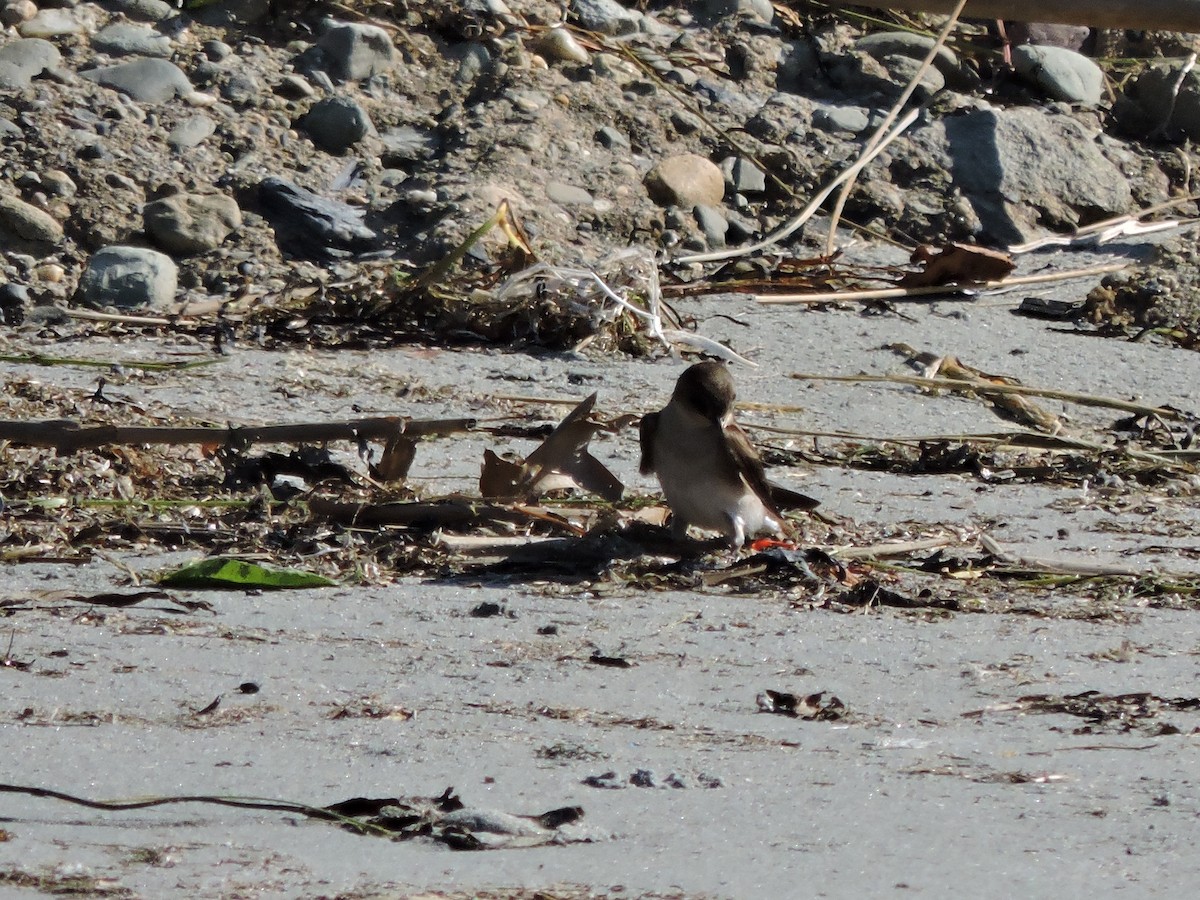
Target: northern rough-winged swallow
{"x":711,"y":475}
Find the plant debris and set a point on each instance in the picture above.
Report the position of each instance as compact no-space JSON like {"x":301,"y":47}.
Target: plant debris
{"x":1106,"y":713}
{"x":443,"y":819}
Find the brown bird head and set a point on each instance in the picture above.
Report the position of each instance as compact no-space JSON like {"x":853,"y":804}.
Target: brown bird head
{"x":707,"y":388}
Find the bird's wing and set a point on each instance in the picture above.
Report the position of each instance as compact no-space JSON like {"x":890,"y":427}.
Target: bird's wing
{"x":647,"y":432}
{"x":744,"y":459}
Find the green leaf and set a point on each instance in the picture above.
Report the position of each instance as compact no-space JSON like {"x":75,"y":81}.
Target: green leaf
{"x":219,"y":572}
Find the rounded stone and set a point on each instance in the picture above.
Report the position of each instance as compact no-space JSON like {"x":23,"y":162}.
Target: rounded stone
{"x":356,"y":51}
{"x":686,"y":180}
{"x":1062,"y":74}
{"x":129,"y":277}
{"x":336,"y":123}
{"x":191,"y":223}
{"x":28,"y":221}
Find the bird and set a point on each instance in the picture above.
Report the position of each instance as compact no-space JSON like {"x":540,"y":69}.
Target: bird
{"x":710,"y":473}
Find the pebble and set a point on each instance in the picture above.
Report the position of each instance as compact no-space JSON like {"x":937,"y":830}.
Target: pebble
{"x":294,"y":87}
{"x":28,"y":221}
{"x":559,"y":44}
{"x":130,"y":39}
{"x":191,"y":132}
{"x":145,"y":80}
{"x":216,"y":51}
{"x":336,"y":123}
{"x":355,"y":51}
{"x":129,"y":277}
{"x":607,"y":17}
{"x":568,"y":194}
{"x":847,"y":119}
{"x":145,"y":10}
{"x":747,"y":178}
{"x":1061,"y":73}
{"x":191,"y":223}
{"x":613,"y":138}
{"x":686,"y":180}
{"x":714,"y":225}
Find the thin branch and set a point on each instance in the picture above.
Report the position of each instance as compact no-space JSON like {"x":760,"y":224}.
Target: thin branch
{"x":935,"y":290}
{"x":987,"y":387}
{"x":875,"y":138}
{"x":67,"y":435}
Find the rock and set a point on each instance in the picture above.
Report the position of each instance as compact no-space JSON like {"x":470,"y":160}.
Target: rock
{"x":1062,"y":74}
{"x":714,"y":225}
{"x":294,"y":87}
{"x":848,"y":119}
{"x":53,"y":23}
{"x":568,"y":194}
{"x":354,"y":52}
{"x":743,"y":177}
{"x":191,"y":223}
{"x":686,"y":180}
{"x":145,"y":10}
{"x":311,"y":227}
{"x":476,"y":61}
{"x":216,"y":51}
{"x":559,"y":45}
{"x":145,"y":80}
{"x":336,"y":124}
{"x":612,"y":138}
{"x":1021,"y":169}
{"x":1150,"y":105}
{"x":28,"y":221}
{"x":17,"y":11}
{"x":58,"y":183}
{"x":1072,"y":37}
{"x":712,"y":10}
{"x":883,"y":44}
{"x":903,"y":69}
{"x":606,"y":17}
{"x":129,"y":277}
{"x":242,"y":89}
{"x":129,"y":39}
{"x":405,"y":144}
{"x":191,"y":132}
{"x":23,"y":60}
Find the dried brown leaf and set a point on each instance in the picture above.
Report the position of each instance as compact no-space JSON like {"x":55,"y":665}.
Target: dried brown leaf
{"x":957,"y":264}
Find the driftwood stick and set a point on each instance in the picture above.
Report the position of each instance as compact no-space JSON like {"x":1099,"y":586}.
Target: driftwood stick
{"x":66,"y":435}
{"x":1168,"y":15}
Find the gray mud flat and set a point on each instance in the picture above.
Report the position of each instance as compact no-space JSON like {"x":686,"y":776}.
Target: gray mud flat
{"x":960,"y":765}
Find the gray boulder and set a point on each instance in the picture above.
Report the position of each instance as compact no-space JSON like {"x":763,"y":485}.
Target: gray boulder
{"x":353,"y":51}
{"x":129,"y":277}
